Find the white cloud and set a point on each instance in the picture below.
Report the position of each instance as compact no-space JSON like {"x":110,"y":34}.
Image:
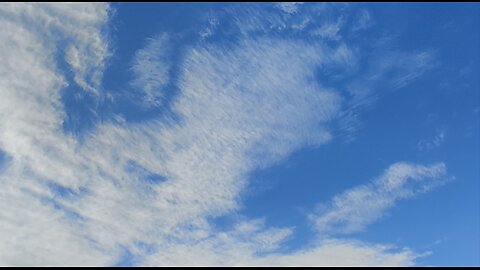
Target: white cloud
{"x":210,"y":29}
{"x":33,"y":231}
{"x":79,"y":25}
{"x":295,"y":17}
{"x":250,"y":243}
{"x":391,"y":69}
{"x":329,"y":30}
{"x":426,"y":145}
{"x":352,"y":210}
{"x":394,"y":69}
{"x":204,"y":158}
{"x":363,"y":21}
{"x":235,"y":252}
{"x":151,"y":69}
{"x":337,"y":252}
{"x":289,"y":7}
{"x":65,"y":202}
{"x":410,"y":67}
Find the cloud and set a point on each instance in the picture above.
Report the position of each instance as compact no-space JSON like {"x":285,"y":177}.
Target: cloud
{"x":285,"y":18}
{"x":389,"y":70}
{"x":329,"y":31}
{"x":230,"y":248}
{"x":80,"y":26}
{"x":204,"y":157}
{"x":354,"y":209}
{"x":289,"y":7}
{"x":363,"y":21}
{"x":426,"y":145}
{"x":251,"y":243}
{"x":338,"y":252}
{"x":210,"y":29}
{"x":151,"y":69}
{"x":148,"y":189}
{"x":34,"y":231}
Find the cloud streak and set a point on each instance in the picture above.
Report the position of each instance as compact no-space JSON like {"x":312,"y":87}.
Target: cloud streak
{"x":151,"y":69}
{"x":354,"y":209}
{"x":438,"y":140}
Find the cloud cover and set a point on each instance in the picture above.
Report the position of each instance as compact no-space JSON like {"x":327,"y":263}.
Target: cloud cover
{"x":150,"y":187}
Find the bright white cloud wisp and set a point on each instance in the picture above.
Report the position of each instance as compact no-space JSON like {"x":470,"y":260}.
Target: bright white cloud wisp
{"x":150,"y":187}
{"x":352,"y":210}
{"x":151,"y":70}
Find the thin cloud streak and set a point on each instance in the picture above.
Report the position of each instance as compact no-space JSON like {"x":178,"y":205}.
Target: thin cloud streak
{"x":355,"y":208}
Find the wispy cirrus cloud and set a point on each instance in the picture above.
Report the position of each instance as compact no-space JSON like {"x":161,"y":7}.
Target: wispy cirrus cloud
{"x":252,"y":246}
{"x":436,"y":141}
{"x":289,"y":7}
{"x":389,"y":71}
{"x":81,"y":27}
{"x":151,"y":69}
{"x":354,"y":209}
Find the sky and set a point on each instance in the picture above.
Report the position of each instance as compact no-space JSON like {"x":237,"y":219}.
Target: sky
{"x":135,"y":134}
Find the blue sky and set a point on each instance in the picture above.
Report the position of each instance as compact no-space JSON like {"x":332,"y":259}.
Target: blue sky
{"x":240,"y":134}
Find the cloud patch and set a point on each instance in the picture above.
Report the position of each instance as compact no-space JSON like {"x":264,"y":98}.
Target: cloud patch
{"x":354,"y":209}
